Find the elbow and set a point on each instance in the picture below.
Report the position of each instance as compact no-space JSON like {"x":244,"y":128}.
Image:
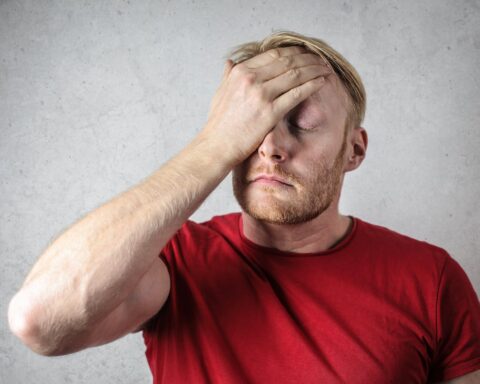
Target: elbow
{"x":24,"y":324}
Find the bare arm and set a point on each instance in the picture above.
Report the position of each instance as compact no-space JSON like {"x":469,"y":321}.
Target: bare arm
{"x":96,"y":264}
{"x":102,"y":278}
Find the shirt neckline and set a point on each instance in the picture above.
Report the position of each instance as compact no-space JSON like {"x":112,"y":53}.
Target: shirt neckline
{"x":274,"y":251}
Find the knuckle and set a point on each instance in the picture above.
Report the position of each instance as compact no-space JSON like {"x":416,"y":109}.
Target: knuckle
{"x":293,"y":73}
{"x":246,"y":77}
{"x":249,"y":78}
{"x":239,"y":69}
{"x":274,"y":52}
{"x":287,"y":61}
{"x":296,"y":93}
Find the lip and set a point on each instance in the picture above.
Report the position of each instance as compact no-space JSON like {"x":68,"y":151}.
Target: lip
{"x":270,"y":180}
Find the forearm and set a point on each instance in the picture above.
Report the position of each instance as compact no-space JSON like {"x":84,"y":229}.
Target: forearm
{"x":91,"y":268}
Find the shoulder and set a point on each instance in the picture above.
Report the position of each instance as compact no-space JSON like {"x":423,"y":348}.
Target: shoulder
{"x":407,"y":255}
{"x":387,"y":238}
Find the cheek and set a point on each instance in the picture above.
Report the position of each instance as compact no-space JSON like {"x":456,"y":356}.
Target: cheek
{"x":308,"y":167}
{"x":310,"y":171}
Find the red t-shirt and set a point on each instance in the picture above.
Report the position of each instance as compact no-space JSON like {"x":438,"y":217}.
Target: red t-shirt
{"x":379,"y":307}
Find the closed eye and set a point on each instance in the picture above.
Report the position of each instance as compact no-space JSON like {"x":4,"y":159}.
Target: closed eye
{"x":297,"y":129}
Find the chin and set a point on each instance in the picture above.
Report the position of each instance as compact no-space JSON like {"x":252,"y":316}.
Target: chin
{"x":273,"y":210}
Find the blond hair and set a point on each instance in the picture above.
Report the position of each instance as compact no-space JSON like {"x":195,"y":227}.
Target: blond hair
{"x":345,"y":71}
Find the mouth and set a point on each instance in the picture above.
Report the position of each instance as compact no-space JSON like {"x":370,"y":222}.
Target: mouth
{"x":271,"y":181}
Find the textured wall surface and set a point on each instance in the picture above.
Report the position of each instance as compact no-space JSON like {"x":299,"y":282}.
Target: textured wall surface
{"x":95,"y":95}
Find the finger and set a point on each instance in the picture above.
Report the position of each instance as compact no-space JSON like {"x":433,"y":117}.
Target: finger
{"x":272,"y":55}
{"x":285,"y":63}
{"x":293,"y":78}
{"x":284,"y":103}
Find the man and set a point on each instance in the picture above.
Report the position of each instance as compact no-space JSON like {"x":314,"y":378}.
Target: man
{"x":288,"y":291}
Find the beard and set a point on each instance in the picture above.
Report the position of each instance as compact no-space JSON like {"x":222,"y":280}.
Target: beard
{"x":307,"y":198}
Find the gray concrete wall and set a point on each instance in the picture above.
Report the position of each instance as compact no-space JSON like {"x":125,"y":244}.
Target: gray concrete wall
{"x":95,"y":95}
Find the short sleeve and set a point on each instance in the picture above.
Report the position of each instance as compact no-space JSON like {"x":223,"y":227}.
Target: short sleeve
{"x":457,"y":325}
{"x":166,"y":254}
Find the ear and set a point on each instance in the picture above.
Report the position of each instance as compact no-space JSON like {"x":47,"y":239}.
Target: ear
{"x":357,"y":148}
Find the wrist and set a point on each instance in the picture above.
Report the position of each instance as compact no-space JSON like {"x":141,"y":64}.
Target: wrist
{"x":216,"y":151}
{"x":229,"y":147}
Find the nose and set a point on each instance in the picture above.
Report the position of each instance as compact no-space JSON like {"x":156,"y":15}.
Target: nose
{"x":274,"y":146}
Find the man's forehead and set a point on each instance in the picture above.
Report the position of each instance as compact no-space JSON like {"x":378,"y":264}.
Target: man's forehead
{"x":310,"y":107}
{"x":331,"y":98}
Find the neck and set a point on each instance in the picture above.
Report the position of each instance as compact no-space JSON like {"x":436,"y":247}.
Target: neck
{"x":316,"y":235}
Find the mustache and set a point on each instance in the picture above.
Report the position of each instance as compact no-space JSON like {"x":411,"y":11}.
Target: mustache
{"x":276,"y":170}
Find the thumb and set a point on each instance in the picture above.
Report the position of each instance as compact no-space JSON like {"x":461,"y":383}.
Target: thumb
{"x":227,"y":68}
